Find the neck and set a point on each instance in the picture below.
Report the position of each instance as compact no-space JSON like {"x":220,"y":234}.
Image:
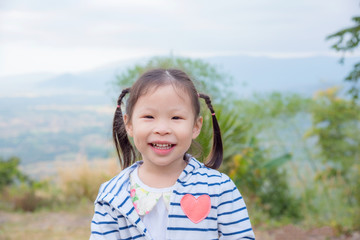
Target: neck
{"x":160,"y":176}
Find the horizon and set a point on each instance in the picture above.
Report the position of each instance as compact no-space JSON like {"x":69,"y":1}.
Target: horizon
{"x":303,"y":75}
{"x":115,"y":63}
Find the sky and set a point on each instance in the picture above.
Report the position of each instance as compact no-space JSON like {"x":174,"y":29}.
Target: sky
{"x":47,"y":36}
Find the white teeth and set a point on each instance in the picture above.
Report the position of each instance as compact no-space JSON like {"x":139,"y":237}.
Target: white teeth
{"x":161,"y":146}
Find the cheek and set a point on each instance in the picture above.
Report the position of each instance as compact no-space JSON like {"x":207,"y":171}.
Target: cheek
{"x":139,"y":133}
{"x":139,"y":140}
{"x":188,"y":135}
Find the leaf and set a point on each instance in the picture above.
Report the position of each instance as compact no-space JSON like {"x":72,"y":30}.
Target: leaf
{"x":277,"y":162}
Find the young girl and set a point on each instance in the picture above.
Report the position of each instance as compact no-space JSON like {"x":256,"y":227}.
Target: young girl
{"x":168,"y":194}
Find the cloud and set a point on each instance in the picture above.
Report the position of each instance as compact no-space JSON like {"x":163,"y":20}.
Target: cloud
{"x":58,"y":60}
{"x":74,"y":34}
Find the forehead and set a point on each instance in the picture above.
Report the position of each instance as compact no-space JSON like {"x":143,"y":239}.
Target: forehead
{"x":167,"y":95}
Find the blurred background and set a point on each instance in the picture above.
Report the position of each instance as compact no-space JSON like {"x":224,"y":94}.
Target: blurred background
{"x":283,"y":76}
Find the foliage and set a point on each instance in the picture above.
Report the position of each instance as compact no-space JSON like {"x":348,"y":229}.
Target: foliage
{"x":23,"y":197}
{"x":234,"y":132}
{"x":264,"y":182}
{"x":10,"y":173}
{"x":336,"y":123}
{"x":274,"y":106}
{"x":347,"y":40}
{"x":18,"y":191}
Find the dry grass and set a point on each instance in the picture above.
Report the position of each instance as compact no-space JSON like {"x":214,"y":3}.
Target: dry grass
{"x":75,"y":189}
{"x":74,"y":224}
{"x":75,"y":181}
{"x":82,"y":178}
{"x":70,"y":224}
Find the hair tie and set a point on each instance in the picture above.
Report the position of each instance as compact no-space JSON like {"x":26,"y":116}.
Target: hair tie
{"x":118,"y":106}
{"x":213,"y":114}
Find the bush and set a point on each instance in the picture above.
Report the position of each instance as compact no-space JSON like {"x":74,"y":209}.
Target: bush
{"x":21,"y":197}
{"x":264,"y":182}
{"x":9,"y":172}
{"x":18,"y":191}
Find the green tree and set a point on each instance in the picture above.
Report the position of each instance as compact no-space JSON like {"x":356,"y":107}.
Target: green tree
{"x":336,"y":123}
{"x":336,"y":126}
{"x":263,"y":166}
{"x":347,"y":41}
{"x":19,"y":191}
{"x":10,"y":173}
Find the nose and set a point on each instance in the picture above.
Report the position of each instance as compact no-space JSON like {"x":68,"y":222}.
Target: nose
{"x":162,"y":128}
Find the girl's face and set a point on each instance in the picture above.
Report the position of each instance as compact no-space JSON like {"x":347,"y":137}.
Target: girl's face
{"x":163,"y":125}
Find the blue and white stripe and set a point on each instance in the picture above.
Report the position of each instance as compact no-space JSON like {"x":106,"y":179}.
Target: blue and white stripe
{"x":115,"y":217}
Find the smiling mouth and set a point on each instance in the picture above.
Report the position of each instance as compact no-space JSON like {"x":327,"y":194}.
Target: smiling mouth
{"x":162,"y":146}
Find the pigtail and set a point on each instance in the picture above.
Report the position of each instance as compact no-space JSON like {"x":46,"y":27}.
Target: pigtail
{"x":215,"y":157}
{"x":121,"y":140}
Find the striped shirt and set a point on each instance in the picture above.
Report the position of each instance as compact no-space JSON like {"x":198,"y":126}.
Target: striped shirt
{"x":115,"y":216}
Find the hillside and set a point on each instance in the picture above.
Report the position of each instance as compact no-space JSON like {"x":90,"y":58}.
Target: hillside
{"x":59,"y":117}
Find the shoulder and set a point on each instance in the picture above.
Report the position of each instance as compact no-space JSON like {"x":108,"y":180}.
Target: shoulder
{"x":199,"y":170}
{"x":118,"y":183}
{"x":197,"y":174}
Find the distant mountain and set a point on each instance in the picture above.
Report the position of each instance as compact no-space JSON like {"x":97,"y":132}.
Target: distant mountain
{"x":21,"y":85}
{"x":88,"y":81}
{"x":251,"y":74}
{"x":297,"y":75}
{"x":97,"y":81}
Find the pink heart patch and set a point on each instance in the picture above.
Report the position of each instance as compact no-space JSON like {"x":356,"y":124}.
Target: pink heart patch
{"x":196,"y":209}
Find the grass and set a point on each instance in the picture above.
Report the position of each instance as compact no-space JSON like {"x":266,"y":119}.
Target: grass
{"x":83,"y":178}
{"x":72,"y":223}
{"x":66,"y":206}
{"x":61,"y":209}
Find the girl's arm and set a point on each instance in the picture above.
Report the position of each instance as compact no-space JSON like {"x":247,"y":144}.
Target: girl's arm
{"x":104,"y":224}
{"x":233,"y":218}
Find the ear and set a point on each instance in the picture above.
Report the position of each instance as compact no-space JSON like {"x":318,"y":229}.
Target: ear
{"x":197,"y":127}
{"x":128,"y":125}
